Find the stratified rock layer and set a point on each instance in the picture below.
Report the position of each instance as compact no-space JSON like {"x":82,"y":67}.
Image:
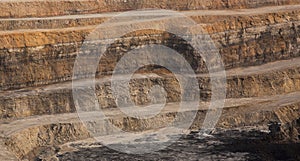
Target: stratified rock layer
{"x":28,"y":8}
{"x":40,"y":40}
{"x":47,"y":56}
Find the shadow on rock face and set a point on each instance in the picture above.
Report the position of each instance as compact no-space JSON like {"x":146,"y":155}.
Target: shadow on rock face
{"x":223,"y":145}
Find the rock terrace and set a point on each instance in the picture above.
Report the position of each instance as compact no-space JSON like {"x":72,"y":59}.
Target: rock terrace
{"x":259,"y":42}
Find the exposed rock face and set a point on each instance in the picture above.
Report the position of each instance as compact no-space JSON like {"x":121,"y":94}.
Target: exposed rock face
{"x":56,"y":134}
{"x":259,"y":45}
{"x":242,"y":40}
{"x":67,"y":7}
{"x":287,"y":132}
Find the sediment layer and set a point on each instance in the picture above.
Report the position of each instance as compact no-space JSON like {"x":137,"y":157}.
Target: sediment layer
{"x":30,"y":8}
{"x":40,"y":41}
{"x":47,"y":56}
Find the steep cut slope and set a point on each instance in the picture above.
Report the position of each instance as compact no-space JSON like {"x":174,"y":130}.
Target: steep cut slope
{"x":259,"y":42}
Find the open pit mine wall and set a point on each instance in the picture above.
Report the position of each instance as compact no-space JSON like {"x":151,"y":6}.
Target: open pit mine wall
{"x":42,"y":57}
{"x":36,"y":8}
{"x":29,"y":141}
{"x":37,"y":58}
